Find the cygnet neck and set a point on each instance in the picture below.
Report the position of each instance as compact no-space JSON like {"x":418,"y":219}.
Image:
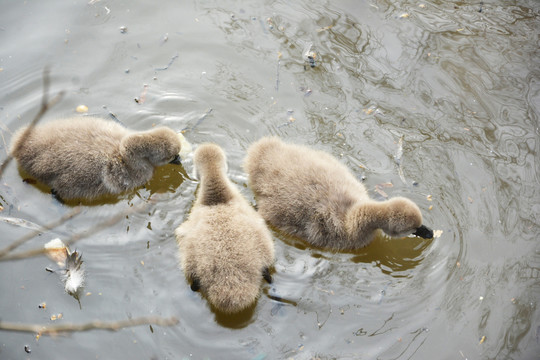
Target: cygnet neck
{"x":133,"y":148}
{"x":215,"y":186}
{"x":366,"y":217}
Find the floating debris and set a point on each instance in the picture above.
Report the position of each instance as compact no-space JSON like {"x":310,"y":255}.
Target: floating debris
{"x":325,"y":28}
{"x":74,"y":276}
{"x":169,"y":64}
{"x":55,"y":317}
{"x":379,"y":189}
{"x":404,"y":16}
{"x":306,"y":91}
{"x":399,"y":152}
{"x":310,"y":55}
{"x":113,"y":116}
{"x":369,"y":111}
{"x":437,"y":234}
{"x":290,"y":120}
{"x":42,"y":305}
{"x":397,"y":159}
{"x":123,"y":29}
{"x":482,"y":340}
{"x":71,"y":264}
{"x":270,"y":23}
{"x":27,"y":349}
{"x":56,"y":250}
{"x":141,"y":99}
{"x":81,"y":109}
{"x":277,"y":70}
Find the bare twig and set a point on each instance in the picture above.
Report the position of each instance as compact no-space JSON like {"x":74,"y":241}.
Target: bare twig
{"x":75,"y":237}
{"x":46,"y":104}
{"x":101,"y":325}
{"x":33,"y":234}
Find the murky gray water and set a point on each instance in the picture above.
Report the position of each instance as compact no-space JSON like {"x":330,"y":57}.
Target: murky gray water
{"x":459,"y":81}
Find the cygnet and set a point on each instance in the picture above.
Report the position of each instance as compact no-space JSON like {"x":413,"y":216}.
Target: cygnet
{"x":311,"y":195}
{"x":225,"y":248}
{"x":84,"y":158}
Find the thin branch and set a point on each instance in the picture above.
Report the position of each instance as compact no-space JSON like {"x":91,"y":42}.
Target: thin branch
{"x":75,"y":237}
{"x":93,"y":325}
{"x":45,"y":106}
{"x":33,"y":234}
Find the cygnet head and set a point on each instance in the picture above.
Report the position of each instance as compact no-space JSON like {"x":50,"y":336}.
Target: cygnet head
{"x":404,"y":218}
{"x":209,"y":158}
{"x":159,"y":146}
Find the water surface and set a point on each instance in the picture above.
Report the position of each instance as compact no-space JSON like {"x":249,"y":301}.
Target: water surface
{"x":458,"y":82}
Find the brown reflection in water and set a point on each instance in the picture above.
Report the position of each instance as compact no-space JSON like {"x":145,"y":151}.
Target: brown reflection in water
{"x":166,"y":179}
{"x":391,"y":255}
{"x":237,"y":320}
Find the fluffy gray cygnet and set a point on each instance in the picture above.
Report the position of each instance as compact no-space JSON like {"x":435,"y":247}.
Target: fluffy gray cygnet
{"x":311,"y":195}
{"x":225,"y":247}
{"x":84,"y":158}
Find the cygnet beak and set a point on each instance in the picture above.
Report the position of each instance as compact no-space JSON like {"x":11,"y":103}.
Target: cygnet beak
{"x":176,"y":160}
{"x":424,"y":232}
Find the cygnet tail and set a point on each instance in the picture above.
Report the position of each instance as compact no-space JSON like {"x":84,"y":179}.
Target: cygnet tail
{"x":424,"y":232}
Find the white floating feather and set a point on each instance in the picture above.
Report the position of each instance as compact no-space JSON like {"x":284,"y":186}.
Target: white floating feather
{"x":71,"y":262}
